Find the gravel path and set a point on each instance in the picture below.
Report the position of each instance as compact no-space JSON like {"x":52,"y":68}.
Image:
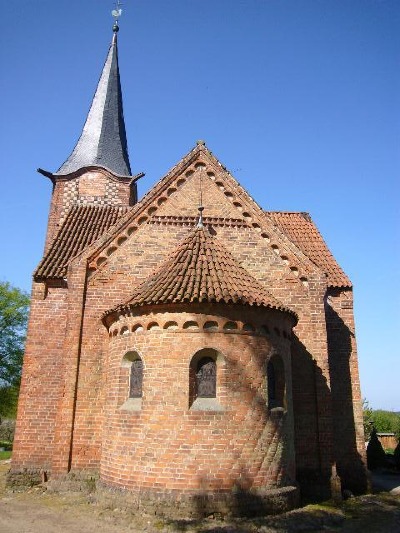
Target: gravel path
{"x":37,"y":511}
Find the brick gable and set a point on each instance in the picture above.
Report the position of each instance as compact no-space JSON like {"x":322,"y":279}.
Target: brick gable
{"x":104,"y":268}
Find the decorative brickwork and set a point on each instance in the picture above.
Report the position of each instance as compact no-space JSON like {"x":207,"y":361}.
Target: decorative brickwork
{"x":174,"y":444}
{"x":91,"y":186}
{"x":164,"y":442}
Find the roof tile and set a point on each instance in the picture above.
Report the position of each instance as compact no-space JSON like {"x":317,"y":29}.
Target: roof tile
{"x":82,"y":226}
{"x":302,"y":231}
{"x":194,"y":273}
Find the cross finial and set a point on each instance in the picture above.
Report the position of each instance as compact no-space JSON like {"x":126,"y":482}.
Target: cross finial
{"x":201,"y":207}
{"x":116,"y":13}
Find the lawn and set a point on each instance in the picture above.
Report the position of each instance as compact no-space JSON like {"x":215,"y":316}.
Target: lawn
{"x":5,"y":455}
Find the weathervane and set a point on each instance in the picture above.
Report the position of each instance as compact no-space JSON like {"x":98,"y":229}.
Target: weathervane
{"x":116,"y":13}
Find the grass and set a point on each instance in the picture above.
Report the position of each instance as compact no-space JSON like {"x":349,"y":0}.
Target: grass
{"x":5,"y":455}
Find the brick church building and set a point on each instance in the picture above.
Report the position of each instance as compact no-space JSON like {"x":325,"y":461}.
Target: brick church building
{"x":189,"y":347}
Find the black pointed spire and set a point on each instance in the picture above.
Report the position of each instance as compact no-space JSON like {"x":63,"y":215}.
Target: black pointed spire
{"x":103,"y":140}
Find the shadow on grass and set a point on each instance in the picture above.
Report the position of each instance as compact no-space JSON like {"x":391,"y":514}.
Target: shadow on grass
{"x":372,"y":513}
{"x":312,"y":518}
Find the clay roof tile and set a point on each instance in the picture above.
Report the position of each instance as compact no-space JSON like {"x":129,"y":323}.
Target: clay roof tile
{"x":302,"y":231}
{"x":82,"y":226}
{"x":190,"y":275}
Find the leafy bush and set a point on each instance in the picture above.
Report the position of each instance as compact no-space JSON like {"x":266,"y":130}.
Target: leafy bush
{"x":367,"y":419}
{"x":7,"y":430}
{"x":376,"y":457}
{"x":396,"y":456}
{"x":386,"y":422}
{"x":383,"y":421}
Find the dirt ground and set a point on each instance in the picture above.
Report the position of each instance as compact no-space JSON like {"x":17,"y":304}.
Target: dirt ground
{"x":37,"y":511}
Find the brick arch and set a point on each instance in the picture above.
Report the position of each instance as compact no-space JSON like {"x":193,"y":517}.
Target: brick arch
{"x":211,"y":354}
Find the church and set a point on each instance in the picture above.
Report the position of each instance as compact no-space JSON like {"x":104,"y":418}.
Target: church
{"x":188,"y":350}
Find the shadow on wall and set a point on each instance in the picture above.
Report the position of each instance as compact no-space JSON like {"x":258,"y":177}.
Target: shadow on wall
{"x":312,"y":425}
{"x":272,"y":434}
{"x":242,"y":501}
{"x":325,"y":432}
{"x":349,"y":462}
{"x":263,"y":429}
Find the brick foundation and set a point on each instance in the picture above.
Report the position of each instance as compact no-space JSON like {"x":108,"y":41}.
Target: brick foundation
{"x":177,"y":505}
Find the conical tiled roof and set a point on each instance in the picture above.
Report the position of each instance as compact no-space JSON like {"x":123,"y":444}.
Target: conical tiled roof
{"x":103,"y":139}
{"x":201,"y":270}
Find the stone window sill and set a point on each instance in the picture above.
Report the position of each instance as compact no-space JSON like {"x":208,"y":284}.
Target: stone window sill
{"x":132,"y":404}
{"x":206,"y":404}
{"x":277,"y":412}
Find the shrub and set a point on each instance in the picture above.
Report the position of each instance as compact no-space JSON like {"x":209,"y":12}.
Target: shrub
{"x":7,"y":429}
{"x":396,"y":456}
{"x":376,"y":457}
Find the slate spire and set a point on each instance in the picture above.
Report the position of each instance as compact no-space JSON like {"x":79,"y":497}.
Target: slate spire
{"x":103,"y":139}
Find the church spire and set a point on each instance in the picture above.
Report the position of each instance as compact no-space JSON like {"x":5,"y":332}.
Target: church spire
{"x":103,"y":139}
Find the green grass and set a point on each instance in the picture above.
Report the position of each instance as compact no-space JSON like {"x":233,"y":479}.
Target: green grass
{"x":4,"y":455}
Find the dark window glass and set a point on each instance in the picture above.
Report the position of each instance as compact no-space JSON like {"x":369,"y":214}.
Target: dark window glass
{"x":206,"y":378}
{"x":136,"y":379}
{"x":276,"y":382}
{"x":271,"y":385}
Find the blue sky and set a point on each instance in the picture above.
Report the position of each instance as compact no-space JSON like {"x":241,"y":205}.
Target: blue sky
{"x":299,"y":99}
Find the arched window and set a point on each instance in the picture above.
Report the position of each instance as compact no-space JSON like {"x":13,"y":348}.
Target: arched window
{"x":206,"y":378}
{"x":131,"y":382}
{"x":276,"y":382}
{"x":136,"y":379}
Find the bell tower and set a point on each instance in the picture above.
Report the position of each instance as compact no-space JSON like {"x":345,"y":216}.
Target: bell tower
{"x":98,"y":171}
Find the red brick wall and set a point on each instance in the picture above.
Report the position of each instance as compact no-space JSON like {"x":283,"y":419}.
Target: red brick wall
{"x":346,"y":395}
{"x":83,"y":343}
{"x":130,"y":264}
{"x":167,"y":444}
{"x":42,"y":378}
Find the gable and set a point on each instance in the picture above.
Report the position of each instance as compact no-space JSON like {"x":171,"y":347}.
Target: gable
{"x":177,"y":196}
{"x":200,"y":187}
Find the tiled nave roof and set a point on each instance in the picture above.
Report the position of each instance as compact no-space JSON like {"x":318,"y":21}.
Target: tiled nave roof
{"x":82,"y":226}
{"x":85,"y":224}
{"x":202,"y":270}
{"x":302,"y":231}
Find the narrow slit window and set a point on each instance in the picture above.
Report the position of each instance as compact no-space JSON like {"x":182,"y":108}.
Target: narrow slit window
{"x":271,"y":385}
{"x":276,"y":386}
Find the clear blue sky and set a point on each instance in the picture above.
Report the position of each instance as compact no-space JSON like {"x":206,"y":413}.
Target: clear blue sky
{"x":300,"y":99}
